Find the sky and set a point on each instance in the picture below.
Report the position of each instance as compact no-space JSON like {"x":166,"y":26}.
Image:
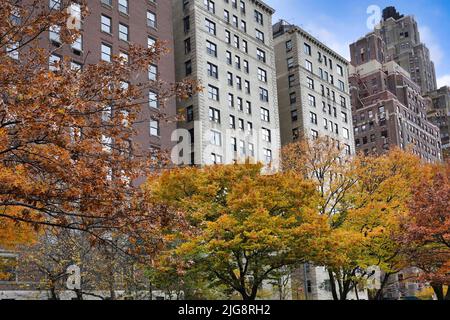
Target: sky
{"x":339,"y":25}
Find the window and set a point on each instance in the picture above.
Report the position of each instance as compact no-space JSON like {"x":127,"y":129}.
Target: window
{"x":241,"y":124}
{"x":106,"y":24}
{"x":341,"y":85}
{"x":236,"y":41}
{"x":230,"y":100}
{"x":242,"y":5}
{"x":187,"y":46}
{"x":228,"y":55}
{"x":214,"y":115}
{"x":239,"y":82}
{"x":345,"y":133}
{"x":262,"y":75}
{"x":289,"y":45}
{"x":106,"y":52}
{"x":308,"y":66}
{"x":54,"y":34}
{"x":243,"y":26}
{"x":343,"y":102}
{"x":152,"y":23}
{"x":233,"y":144}
{"x":344,"y":117}
{"x":78,"y":43}
{"x":266,"y":135}
{"x":259,"y":35}
{"x":226,"y":15}
{"x":267,"y":155}
{"x":347,"y":149}
{"x":232,"y":122}
{"x":210,"y":6}
{"x":152,"y":72}
{"x":237,"y":62}
{"x":12,"y":50}
{"x":340,"y":70}
{"x":307,"y":49}
{"x":151,"y":42}
{"x":263,"y":95}
{"x":54,"y":62}
{"x":8,"y":268}
{"x":186,"y":24}
{"x":248,"y":107}
{"x":242,"y":147}
{"x":216,"y":159}
{"x":246,"y":67}
{"x":240,"y":105}
{"x":213,"y":93}
{"x":259,"y":17}
{"x":188,"y":68}
{"x":251,"y":150}
{"x":230,"y":79}
{"x":311,"y":101}
{"x":265,"y":116}
{"x":314,"y":134}
{"x":310,"y":83}
{"x":215,"y":138}
{"x":294,"y":115}
{"x":211,"y":48}
{"x":293,"y":97}
{"x":123,"y":6}
{"x":235,"y":21}
{"x":56,"y":4}
{"x":247,"y":86}
{"x":212,"y":71}
{"x":291,"y":80}
{"x":245,"y":46}
{"x":290,"y":63}
{"x":123,"y":32}
{"x":190,"y":114}
{"x":227,"y":36}
{"x":210,"y":26}
{"x":313,"y":117}
{"x":154,"y":128}
{"x":153,"y":100}
{"x":261,"y":55}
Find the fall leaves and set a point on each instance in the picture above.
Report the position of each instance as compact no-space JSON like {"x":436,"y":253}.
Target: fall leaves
{"x":345,"y":213}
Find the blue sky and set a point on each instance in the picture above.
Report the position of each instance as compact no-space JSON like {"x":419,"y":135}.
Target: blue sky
{"x":340,"y":25}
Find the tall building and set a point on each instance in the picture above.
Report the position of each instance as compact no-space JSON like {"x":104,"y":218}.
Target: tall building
{"x":228,"y":47}
{"x":403,"y":45}
{"x":388,"y":108}
{"x":313,"y":101}
{"x":313,"y":88}
{"x":439,"y":115}
{"x":109,"y":29}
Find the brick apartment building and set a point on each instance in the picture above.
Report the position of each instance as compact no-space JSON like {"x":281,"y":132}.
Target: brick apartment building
{"x":109,"y":29}
{"x":388,"y":107}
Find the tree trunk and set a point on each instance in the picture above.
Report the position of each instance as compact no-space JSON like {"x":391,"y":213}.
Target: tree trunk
{"x":438,"y":290}
{"x":447,"y":295}
{"x":379,"y":294}
{"x":333,"y":285}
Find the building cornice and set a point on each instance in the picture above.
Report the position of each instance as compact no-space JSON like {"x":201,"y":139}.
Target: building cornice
{"x":264,"y":6}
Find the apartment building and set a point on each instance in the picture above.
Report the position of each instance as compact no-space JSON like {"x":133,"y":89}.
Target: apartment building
{"x":227,"y":46}
{"x":439,"y":115}
{"x":109,"y":29}
{"x":388,"y":107}
{"x":313,"y":88}
{"x":403,"y":45}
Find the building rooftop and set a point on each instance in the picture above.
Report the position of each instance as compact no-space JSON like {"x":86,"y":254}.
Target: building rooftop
{"x":282,"y":27}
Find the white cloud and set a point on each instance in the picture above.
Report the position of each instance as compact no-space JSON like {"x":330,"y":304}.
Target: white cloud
{"x":444,"y":81}
{"x":432,"y":42}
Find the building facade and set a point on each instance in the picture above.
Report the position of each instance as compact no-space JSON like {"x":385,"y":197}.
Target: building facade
{"x":439,"y":115}
{"x":109,"y":29}
{"x":388,"y":107}
{"x":403,"y":45}
{"x":313,"y":88}
{"x":228,"y":47}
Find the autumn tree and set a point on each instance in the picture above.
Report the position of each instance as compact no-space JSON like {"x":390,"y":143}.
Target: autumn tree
{"x":363,"y":199}
{"x":67,"y":154}
{"x":244,"y":226}
{"x":427,"y":229}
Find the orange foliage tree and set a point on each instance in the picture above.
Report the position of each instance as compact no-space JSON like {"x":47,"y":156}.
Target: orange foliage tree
{"x":67,"y":157}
